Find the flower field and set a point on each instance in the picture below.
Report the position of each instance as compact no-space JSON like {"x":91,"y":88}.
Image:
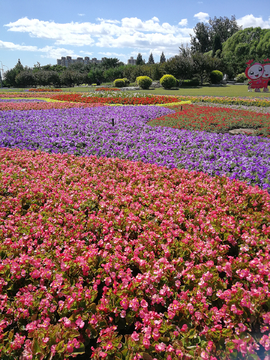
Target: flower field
{"x":124,"y":239}
{"x":215,"y":119}
{"x":27,"y":104}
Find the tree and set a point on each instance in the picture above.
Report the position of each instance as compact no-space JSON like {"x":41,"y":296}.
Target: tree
{"x":205,"y":33}
{"x":247,"y":44}
{"x":224,"y":27}
{"x":139,"y":60}
{"x":203,"y":65}
{"x":10,"y":75}
{"x":217,"y":45}
{"x":96,"y":74}
{"x":151,"y":59}
{"x":109,"y":63}
{"x":113,"y":73}
{"x":162,"y":58}
{"x":25,"y":78}
{"x":201,"y":42}
{"x":68,"y":78}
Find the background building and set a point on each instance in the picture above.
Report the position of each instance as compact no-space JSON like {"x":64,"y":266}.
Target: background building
{"x":131,"y":61}
{"x":66,"y":61}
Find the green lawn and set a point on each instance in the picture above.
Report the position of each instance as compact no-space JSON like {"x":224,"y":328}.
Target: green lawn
{"x":228,"y":90}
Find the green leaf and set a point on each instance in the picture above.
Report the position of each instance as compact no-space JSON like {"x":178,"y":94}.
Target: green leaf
{"x":81,"y":350}
{"x":36,"y":348}
{"x":147,"y":357}
{"x":92,"y":307}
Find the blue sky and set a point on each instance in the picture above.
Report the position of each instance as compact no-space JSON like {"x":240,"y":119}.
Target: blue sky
{"x":43,"y":31}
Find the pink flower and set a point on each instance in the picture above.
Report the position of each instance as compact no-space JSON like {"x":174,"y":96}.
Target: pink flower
{"x":184,"y":328}
{"x":70,"y":347}
{"x":66,"y":321}
{"x":156,"y":334}
{"x":265,"y":342}
{"x":17,"y":342}
{"x":109,"y":346}
{"x":135,"y":336}
{"x":80,"y":323}
{"x":123,"y":314}
{"x":146,"y":342}
{"x":144,"y":304}
{"x":160,"y":347}
{"x":124,"y":303}
{"x":102,"y":354}
{"x":204,"y":355}
{"x":134,"y":304}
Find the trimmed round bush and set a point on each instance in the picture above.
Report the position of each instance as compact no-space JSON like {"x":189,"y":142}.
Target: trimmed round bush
{"x":240,"y":78}
{"x":119,"y":82}
{"x":216,"y":76}
{"x":144,"y":81}
{"x":168,"y":81}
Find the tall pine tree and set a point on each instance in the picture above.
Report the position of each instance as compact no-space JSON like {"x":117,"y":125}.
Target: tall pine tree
{"x":162,"y":58}
{"x":151,"y":59}
{"x":139,"y":60}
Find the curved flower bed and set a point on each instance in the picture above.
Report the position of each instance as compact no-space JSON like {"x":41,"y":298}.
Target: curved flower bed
{"x":43,"y":105}
{"x":44,"y":90}
{"x":107,"y":89}
{"x":214,"y":119}
{"x":91,"y":132}
{"x":114,"y":258}
{"x":14,"y":100}
{"x":115,"y":99}
{"x":34,"y":94}
{"x":228,"y":100}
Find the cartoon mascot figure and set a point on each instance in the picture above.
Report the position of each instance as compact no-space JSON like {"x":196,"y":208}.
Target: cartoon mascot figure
{"x":254,"y":74}
{"x":266,"y":75}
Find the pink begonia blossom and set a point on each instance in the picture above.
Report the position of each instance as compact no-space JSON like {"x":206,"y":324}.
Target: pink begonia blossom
{"x":109,"y":346}
{"x":156,"y":334}
{"x":160,"y":347}
{"x":146,"y":342}
{"x":134,"y":304}
{"x":102,"y":354}
{"x":135,"y":336}
{"x":265,"y":342}
{"x":17,"y":342}
{"x":66,"y":322}
{"x":144,"y":304}
{"x":123,"y":314}
{"x":124,"y":303}
{"x":80,"y":323}
{"x":205,"y":355}
{"x":184,"y":328}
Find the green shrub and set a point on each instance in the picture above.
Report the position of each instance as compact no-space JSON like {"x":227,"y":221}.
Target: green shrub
{"x":191,"y":82}
{"x":144,"y":81}
{"x":168,"y":81}
{"x":216,"y":76}
{"x":119,"y":83}
{"x":240,"y":78}
{"x":127,"y":82}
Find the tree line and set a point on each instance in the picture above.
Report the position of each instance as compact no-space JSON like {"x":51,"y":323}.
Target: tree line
{"x":186,"y":65}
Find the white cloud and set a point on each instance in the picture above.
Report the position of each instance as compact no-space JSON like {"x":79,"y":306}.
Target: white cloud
{"x":81,"y":14}
{"x":128,"y":33}
{"x":47,"y":51}
{"x":201,"y":16}
{"x":183,"y":22}
{"x":11,"y":46}
{"x":252,"y":21}
{"x":111,"y":54}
